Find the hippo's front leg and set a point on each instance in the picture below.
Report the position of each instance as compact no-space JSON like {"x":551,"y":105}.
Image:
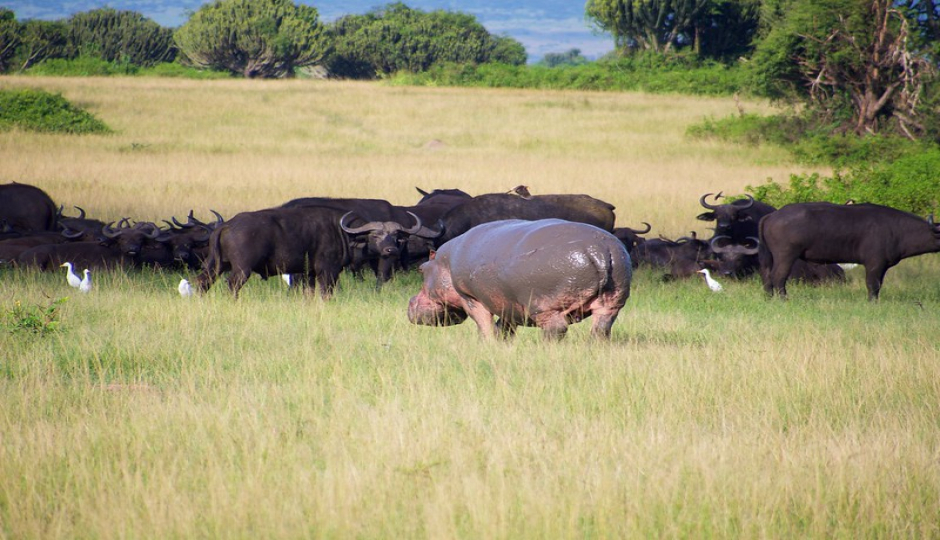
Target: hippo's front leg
{"x":480,"y":315}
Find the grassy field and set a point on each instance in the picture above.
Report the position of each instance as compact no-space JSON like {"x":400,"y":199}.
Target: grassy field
{"x":278,"y":415}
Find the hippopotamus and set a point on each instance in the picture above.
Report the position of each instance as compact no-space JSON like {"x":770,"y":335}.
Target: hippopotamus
{"x":547,"y":273}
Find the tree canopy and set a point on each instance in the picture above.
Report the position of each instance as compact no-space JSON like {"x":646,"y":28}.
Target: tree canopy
{"x":253,"y":38}
{"x":843,"y":55}
{"x":397,"y":38}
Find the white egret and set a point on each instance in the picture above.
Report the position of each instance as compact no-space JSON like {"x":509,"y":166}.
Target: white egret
{"x":85,"y":285}
{"x":71,"y":276}
{"x":185,"y":288}
{"x":286,"y":278}
{"x":712,"y":284}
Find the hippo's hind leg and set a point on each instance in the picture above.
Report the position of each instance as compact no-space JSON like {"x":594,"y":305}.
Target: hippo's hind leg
{"x":602,"y":322}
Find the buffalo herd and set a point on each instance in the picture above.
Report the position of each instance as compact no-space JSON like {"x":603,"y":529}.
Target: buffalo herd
{"x":314,"y":239}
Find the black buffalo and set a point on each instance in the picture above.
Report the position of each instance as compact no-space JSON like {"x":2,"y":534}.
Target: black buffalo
{"x":308,"y":244}
{"x":680,"y":258}
{"x":502,"y":206}
{"x":738,"y":219}
{"x":631,"y":238}
{"x":431,"y":209}
{"x":81,"y":254}
{"x":877,"y":237}
{"x":25,"y":208}
{"x":365,"y":217}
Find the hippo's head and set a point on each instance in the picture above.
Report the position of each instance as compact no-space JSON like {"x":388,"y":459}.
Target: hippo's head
{"x":437,"y":303}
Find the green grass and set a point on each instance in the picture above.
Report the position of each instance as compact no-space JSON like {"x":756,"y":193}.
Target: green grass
{"x":143,"y":414}
{"x":280,"y":415}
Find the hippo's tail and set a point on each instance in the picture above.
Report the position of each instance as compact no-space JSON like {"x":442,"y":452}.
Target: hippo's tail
{"x":614,"y":269}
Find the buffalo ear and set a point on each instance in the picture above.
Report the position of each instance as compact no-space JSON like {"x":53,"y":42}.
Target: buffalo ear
{"x":706,"y":216}
{"x":432,"y":255}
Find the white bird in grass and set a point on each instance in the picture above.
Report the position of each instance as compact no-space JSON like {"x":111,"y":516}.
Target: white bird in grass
{"x":71,"y":276}
{"x":184,"y":288}
{"x":85,"y":285}
{"x":712,"y":284}
{"x":286,"y":278}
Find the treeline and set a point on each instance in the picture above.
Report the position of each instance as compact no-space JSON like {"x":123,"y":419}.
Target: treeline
{"x":259,"y":38}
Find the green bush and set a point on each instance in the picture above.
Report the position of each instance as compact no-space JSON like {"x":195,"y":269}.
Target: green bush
{"x":910,"y":183}
{"x":174,"y":69}
{"x":628,"y":74}
{"x":83,"y":66}
{"x":37,"y":110}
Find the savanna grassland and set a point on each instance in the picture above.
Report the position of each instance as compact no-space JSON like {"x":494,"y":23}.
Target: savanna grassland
{"x":143,"y":414}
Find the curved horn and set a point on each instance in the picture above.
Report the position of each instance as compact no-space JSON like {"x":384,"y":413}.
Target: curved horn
{"x":705,"y":204}
{"x":81,"y":212}
{"x":125,"y":223}
{"x":722,"y":246}
{"x":356,"y":230}
{"x":172,"y":226}
{"x":638,"y":231}
{"x":751,"y":250}
{"x":431,"y":234}
{"x":744,"y":205}
{"x":70,"y":234}
{"x":421,"y":191}
{"x":218,"y":218}
{"x":109,"y":232}
{"x":417,"y":226}
{"x":154,"y":232}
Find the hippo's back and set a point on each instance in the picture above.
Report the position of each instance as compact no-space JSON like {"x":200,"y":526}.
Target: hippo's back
{"x":528,"y":262}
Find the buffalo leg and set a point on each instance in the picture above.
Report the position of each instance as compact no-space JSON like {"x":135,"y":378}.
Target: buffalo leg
{"x":327,"y":277}
{"x":205,"y":280}
{"x":779,"y":274}
{"x":237,"y":280}
{"x":874,"y":277}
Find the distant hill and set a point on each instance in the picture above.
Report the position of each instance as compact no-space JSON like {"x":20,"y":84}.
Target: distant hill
{"x":543,"y":26}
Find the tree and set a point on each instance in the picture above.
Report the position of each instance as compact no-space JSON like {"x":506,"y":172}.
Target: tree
{"x":9,"y":38}
{"x":41,"y":40}
{"x":397,"y":38}
{"x":120,"y":36}
{"x":847,"y":59}
{"x":571,"y":57}
{"x":253,"y":38}
{"x":714,"y":28}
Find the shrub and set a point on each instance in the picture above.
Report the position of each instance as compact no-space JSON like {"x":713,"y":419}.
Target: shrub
{"x":83,"y":66}
{"x":177,"y":70}
{"x":37,"y":110}
{"x":34,"y":319}
{"x":910,"y":183}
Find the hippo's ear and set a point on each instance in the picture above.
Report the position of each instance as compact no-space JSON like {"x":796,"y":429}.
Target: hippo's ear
{"x":432,"y":255}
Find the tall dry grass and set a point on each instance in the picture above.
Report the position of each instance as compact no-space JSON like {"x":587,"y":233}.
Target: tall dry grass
{"x":278,"y":415}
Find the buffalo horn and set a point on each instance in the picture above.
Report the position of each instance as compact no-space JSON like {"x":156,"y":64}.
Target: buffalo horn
{"x":81,"y":212}
{"x":218,"y":218}
{"x":155,"y":230}
{"x":109,"y":232}
{"x":638,"y":231}
{"x":429,"y":233}
{"x":705,"y":204}
{"x":744,"y":205}
{"x":368,"y":227}
{"x":417,"y":226}
{"x":721,"y":244}
{"x":70,"y":234}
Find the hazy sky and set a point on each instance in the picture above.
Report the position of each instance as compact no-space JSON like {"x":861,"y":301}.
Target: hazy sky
{"x":541,"y":25}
